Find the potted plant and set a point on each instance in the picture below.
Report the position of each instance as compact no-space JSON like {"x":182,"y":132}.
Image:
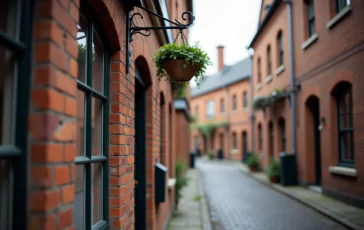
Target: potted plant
{"x":179,"y":63}
{"x":181,"y":180}
{"x":274,"y":170}
{"x":253,"y":162}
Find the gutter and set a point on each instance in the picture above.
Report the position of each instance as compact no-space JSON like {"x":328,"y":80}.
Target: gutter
{"x":252,"y":116}
{"x":228,"y":119}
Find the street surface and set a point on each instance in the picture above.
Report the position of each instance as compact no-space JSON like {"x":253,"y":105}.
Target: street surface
{"x":238,"y":202}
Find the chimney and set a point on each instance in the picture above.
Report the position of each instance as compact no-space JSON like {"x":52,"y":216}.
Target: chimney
{"x":220,"y":50}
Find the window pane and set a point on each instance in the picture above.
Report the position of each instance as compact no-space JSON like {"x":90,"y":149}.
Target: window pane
{"x":97,"y":63}
{"x":9,"y":13}
{"x":79,"y":206}
{"x":82,"y":47}
{"x":97,"y":126}
{"x":6,"y":181}
{"x":97,"y":192}
{"x":347,"y":153}
{"x":80,"y":129}
{"x":8,"y":69}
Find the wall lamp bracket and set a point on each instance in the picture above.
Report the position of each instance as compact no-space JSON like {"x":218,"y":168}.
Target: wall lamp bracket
{"x":132,"y":28}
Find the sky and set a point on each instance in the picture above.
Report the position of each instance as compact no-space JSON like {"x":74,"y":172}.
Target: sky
{"x":230,"y":23}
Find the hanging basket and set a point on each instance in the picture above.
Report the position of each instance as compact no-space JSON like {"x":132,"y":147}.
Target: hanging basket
{"x":176,"y":71}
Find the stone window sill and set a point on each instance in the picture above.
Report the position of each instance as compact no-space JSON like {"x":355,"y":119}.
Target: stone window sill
{"x":280,"y":70}
{"x":258,"y":86}
{"x":171,"y":183}
{"x":268,"y":79}
{"x":346,"y":10}
{"x":338,"y":170}
{"x":309,"y":41}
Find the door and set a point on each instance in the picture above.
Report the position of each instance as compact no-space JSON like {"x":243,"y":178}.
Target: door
{"x":140,"y":156}
{"x":245,"y":144}
{"x":317,"y":136}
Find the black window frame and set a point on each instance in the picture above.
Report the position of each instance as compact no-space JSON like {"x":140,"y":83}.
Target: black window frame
{"x":344,"y":130}
{"x":269,"y":60}
{"x":18,"y":153}
{"x":280,"y":48}
{"x":88,"y":159}
{"x":341,"y":4}
{"x":310,"y":17}
{"x":245,"y":100}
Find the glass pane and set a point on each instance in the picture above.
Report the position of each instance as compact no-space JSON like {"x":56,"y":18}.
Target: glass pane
{"x":79,"y":205}
{"x":347,"y":153}
{"x":97,"y":63}
{"x":97,"y":106}
{"x":80,"y":129}
{"x":97,"y":192}
{"x":8,"y":69}
{"x":9,"y":12}
{"x":82,"y":47}
{"x":6,"y":181}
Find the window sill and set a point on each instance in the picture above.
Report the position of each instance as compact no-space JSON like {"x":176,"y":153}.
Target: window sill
{"x":258,"y":86}
{"x":344,"y":171}
{"x":171,"y":183}
{"x":268,"y":79}
{"x":280,"y":70}
{"x":309,"y":41}
{"x":346,"y":10}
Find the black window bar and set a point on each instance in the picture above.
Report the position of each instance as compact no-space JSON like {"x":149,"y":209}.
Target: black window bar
{"x":132,"y":28}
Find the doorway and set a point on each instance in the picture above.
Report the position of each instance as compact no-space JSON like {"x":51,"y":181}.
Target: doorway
{"x":313,"y":107}
{"x":140,"y":155}
{"x":245,"y":145}
{"x":271,"y":139}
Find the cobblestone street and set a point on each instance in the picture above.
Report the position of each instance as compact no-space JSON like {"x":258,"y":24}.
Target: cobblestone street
{"x":237,"y":201}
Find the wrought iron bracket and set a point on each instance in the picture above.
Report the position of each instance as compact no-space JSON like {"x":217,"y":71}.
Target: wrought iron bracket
{"x":132,"y":28}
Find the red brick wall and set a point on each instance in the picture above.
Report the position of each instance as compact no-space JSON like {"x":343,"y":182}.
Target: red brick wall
{"x":182,"y":133}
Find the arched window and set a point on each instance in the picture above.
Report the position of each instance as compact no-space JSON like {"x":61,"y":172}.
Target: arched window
{"x":92,"y":147}
{"x":344,"y":103}
{"x":259,"y":70}
{"x":269,"y":61}
{"x":280,"y":48}
{"x":245,"y":100}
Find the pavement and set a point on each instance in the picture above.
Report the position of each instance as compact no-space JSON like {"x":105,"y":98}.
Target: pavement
{"x":192,"y":212}
{"x":348,"y":215}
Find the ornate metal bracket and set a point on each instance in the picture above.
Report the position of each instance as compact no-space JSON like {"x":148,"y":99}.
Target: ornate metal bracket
{"x":132,"y":28}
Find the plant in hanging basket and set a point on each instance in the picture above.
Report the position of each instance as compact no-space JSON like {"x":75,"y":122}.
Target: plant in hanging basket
{"x":179,"y":63}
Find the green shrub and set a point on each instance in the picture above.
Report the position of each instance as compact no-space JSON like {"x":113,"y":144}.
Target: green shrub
{"x":210,"y":155}
{"x":253,"y":160}
{"x":273,"y":169}
{"x":181,"y":179}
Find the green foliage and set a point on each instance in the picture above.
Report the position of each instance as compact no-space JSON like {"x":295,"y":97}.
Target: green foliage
{"x":181,"y":179}
{"x":253,"y":160}
{"x":192,"y":118}
{"x":206,"y":129}
{"x":181,"y":90}
{"x":190,"y":54}
{"x":273,"y":169}
{"x":271,"y":99}
{"x":210,"y":155}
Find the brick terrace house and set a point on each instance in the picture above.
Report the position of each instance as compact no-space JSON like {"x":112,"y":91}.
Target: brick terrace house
{"x":80,"y":136}
{"x":324,"y":82}
{"x":224,"y":97}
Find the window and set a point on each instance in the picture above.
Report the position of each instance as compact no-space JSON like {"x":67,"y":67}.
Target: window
{"x":196,"y":111}
{"x":282,"y":129}
{"x":235,"y":141}
{"x":341,"y":4}
{"x":269,"y":59}
{"x":210,"y":109}
{"x":271,"y":139}
{"x":245,"y":100}
{"x":280,"y":48}
{"x":259,"y":71}
{"x":91,"y":198}
{"x":260,"y":138}
{"x":222,"y":106}
{"x":310,"y":17}
{"x":245,"y":142}
{"x":234,"y":103}
{"x":15,"y":65}
{"x":345,"y":124}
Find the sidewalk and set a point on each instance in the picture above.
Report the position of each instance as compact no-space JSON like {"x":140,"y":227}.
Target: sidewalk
{"x":192,"y":212}
{"x":345,"y":214}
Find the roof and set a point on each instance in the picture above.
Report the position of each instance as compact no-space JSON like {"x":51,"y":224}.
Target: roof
{"x":182,"y":105}
{"x":229,"y":75}
{"x":265,"y":21}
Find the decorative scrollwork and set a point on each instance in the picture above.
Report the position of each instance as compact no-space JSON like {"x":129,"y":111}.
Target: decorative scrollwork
{"x":192,"y":18}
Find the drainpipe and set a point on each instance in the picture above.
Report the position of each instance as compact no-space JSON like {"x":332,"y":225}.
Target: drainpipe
{"x":228,"y":119}
{"x":292,"y":77}
{"x":251,"y":116}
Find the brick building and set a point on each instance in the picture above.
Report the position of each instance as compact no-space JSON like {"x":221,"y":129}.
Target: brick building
{"x":224,"y":97}
{"x":80,"y":136}
{"x":315,"y":65}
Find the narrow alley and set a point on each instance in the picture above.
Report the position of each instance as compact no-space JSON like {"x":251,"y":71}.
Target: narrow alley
{"x":237,"y":201}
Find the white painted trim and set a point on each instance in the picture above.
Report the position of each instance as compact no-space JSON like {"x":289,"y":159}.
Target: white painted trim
{"x":171,"y":183}
{"x":309,"y":41}
{"x":351,"y":172}
{"x":338,"y":16}
{"x":258,"y":86}
{"x":280,"y":69}
{"x":268,"y":79}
